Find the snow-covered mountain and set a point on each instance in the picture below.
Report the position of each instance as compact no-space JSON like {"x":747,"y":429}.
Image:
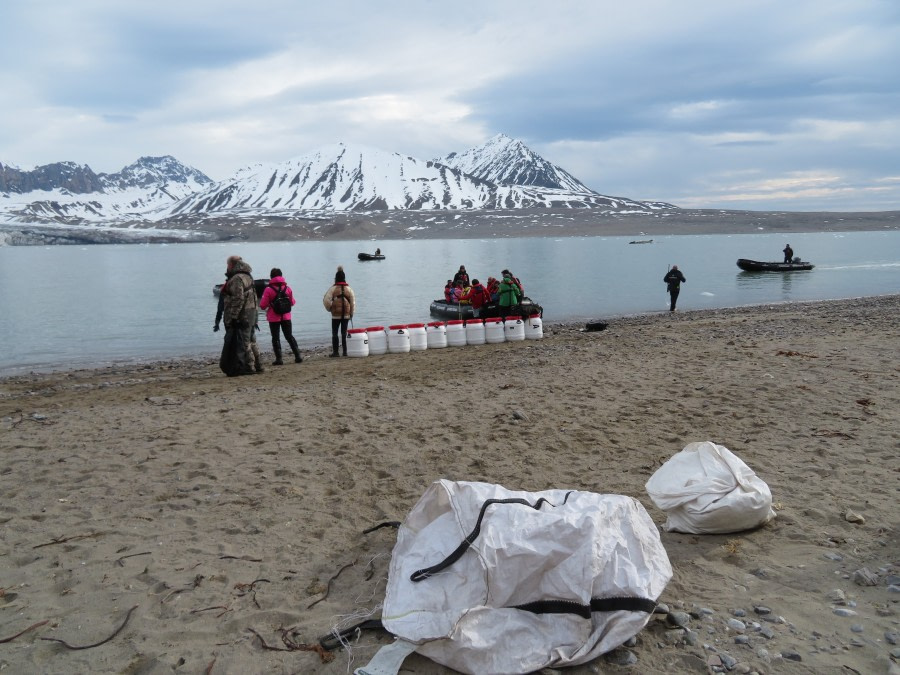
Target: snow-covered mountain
{"x":502,"y":174}
{"x":361,"y":178}
{"x":67,"y":192}
{"x":507,"y":161}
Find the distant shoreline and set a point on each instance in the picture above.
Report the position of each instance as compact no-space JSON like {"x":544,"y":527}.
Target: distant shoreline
{"x":396,"y":225}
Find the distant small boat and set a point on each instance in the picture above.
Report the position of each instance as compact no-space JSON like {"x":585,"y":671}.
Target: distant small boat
{"x":641,"y":241}
{"x":258,"y":284}
{"x":370,"y":256}
{"x":756,"y":266}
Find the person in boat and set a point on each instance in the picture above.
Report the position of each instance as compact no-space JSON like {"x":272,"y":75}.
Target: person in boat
{"x":448,"y":291}
{"x":240,"y":306}
{"x":456,"y":292}
{"x":508,"y":294}
{"x":493,"y":288}
{"x":377,"y":251}
{"x":461,"y":276}
{"x":340,"y":301}
{"x":788,"y":254}
{"x":674,"y":278}
{"x":477,"y":296}
{"x":279,"y":323}
{"x":516,"y":281}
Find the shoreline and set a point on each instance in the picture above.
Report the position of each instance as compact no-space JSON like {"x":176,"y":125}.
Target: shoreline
{"x":394,"y":225}
{"x":203,"y":513}
{"x":319,"y":349}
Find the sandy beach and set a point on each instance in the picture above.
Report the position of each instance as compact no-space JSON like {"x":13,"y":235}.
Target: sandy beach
{"x":193,"y":523}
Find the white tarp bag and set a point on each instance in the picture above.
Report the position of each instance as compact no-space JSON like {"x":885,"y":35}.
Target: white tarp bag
{"x":707,"y":489}
{"x":489,"y":580}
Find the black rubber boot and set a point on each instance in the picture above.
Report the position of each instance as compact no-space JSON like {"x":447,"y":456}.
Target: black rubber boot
{"x":334,"y":347}
{"x":294,"y":348}
{"x":277,"y":361}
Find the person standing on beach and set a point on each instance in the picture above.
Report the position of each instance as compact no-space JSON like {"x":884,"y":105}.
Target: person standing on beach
{"x":279,"y":323}
{"x":788,"y":254}
{"x":240,"y":306}
{"x":674,"y":278}
{"x":340,"y":301}
{"x":220,"y":308}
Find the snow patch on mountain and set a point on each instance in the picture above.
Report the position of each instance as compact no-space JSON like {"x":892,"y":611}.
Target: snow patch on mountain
{"x":502,"y":174}
{"x":508,"y":161}
{"x":78,"y":195}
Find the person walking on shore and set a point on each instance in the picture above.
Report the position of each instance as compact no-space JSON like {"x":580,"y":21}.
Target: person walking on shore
{"x":277,"y":300}
{"x":340,"y":301}
{"x":674,"y":278}
{"x":788,"y":254}
{"x":240,"y":307}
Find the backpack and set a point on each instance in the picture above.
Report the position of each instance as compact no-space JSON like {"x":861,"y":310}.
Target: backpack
{"x":281,"y":303}
{"x":483,"y":295}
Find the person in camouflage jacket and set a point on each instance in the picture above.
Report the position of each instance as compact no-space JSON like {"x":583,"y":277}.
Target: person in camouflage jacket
{"x":241,"y":305}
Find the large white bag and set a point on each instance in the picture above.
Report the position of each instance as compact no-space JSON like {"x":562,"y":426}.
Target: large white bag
{"x":707,"y":489}
{"x":489,"y":580}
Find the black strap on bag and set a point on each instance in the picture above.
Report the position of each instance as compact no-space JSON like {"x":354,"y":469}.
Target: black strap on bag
{"x":336,"y":639}
{"x":622,"y":604}
{"x":629,"y":604}
{"x":420,"y":575}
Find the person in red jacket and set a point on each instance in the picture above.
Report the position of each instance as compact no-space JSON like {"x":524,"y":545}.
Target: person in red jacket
{"x":493,"y":287}
{"x":279,"y":322}
{"x":477,"y":296}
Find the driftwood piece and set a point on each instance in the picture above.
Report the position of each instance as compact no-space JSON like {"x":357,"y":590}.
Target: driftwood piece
{"x":96,"y":644}
{"x":22,"y":632}
{"x":328,"y":586}
{"x":74,"y":537}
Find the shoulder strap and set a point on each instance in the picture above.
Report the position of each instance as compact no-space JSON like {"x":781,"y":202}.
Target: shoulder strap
{"x":420,"y":575}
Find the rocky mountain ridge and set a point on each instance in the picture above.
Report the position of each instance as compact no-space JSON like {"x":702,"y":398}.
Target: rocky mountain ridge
{"x":160,"y":193}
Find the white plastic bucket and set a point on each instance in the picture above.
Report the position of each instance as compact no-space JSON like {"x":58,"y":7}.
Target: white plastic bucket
{"x":515,"y":328}
{"x":418,"y":339}
{"x":377,"y":340}
{"x":436,"y":334}
{"x":357,"y":342}
{"x":474,"y":332}
{"x":456,"y":333}
{"x":534,"y":330}
{"x":398,"y":339}
{"x":494,"y":332}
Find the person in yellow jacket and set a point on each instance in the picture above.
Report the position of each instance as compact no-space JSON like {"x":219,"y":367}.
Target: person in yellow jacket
{"x":340,"y":301}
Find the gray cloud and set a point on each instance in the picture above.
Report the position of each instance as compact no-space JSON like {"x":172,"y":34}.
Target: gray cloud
{"x":745,"y":104}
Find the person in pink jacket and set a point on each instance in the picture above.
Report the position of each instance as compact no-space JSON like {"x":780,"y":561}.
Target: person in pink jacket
{"x":277,"y":298}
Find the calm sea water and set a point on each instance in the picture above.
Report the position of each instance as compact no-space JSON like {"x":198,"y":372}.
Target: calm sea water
{"x":66,"y":306}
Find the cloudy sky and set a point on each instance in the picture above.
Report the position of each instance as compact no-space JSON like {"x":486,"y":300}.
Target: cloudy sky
{"x":748,"y":104}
